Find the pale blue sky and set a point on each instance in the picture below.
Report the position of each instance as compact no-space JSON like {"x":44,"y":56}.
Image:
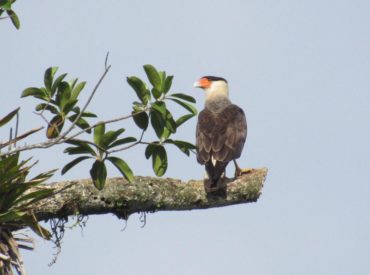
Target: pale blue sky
{"x":301,"y":72}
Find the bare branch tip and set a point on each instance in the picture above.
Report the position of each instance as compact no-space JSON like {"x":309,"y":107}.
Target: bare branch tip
{"x":107,"y":67}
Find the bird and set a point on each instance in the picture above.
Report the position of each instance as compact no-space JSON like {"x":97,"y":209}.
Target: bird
{"x":221,"y":132}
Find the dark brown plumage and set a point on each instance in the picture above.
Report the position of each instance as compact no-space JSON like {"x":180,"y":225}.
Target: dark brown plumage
{"x":220,"y":136}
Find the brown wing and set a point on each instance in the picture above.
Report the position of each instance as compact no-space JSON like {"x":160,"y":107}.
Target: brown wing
{"x":221,"y":135}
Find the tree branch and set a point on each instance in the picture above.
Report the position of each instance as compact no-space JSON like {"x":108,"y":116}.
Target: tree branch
{"x":145,"y":194}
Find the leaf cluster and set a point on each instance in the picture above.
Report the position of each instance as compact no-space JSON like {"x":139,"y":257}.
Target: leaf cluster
{"x":6,"y":6}
{"x":150,"y":110}
{"x":98,"y":151}
{"x":16,"y":197}
{"x":153,"y":108}
{"x":59,"y":98}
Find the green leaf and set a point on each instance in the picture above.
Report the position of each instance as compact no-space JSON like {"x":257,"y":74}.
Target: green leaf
{"x":82,"y":148}
{"x":5,"y":4}
{"x":99,"y":131}
{"x":77,"y":110}
{"x":110,"y":136}
{"x":140,"y":88}
{"x":63,"y":95}
{"x":153,"y":76}
{"x":162,"y":76}
{"x":161,"y":118}
{"x":56,"y":84}
{"x":122,"y":167}
{"x":81,"y":143}
{"x":83,"y":124}
{"x":141,"y":119}
{"x":156,"y":93}
{"x":183,"y":119}
{"x":167,"y":84}
{"x":48,"y":78}
{"x":160,"y":106}
{"x":184,"y":146}
{"x":46,"y":106}
{"x":7,"y":162}
{"x":184,"y":97}
{"x":36,"y":92}
{"x":42,"y":177}
{"x":170,"y":122}
{"x":72,"y":83}
{"x":34,"y":197}
{"x":165,"y":134}
{"x":70,"y":103}
{"x":149,"y":150}
{"x":187,"y":106}
{"x":76,"y":90}
{"x":8,"y":117}
{"x":98,"y":174}
{"x":55,"y":127}
{"x":159,"y":160}
{"x":156,"y":119}
{"x":88,"y":114}
{"x":11,"y":216}
{"x":122,"y":141}
{"x":14,"y":18}
{"x":73,"y":163}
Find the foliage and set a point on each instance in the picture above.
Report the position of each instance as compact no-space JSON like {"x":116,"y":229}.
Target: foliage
{"x":60,"y":98}
{"x":6,"y":6}
{"x":160,"y":117}
{"x":66,"y":122}
{"x":17,"y":197}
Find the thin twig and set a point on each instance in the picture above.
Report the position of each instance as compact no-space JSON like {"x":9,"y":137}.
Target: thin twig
{"x":89,"y":142}
{"x":16,"y":128}
{"x":10,"y":138}
{"x":105,"y":122}
{"x":14,"y":140}
{"x":52,"y":142}
{"x":41,"y":113}
{"x":43,"y":117}
{"x":129,"y":146}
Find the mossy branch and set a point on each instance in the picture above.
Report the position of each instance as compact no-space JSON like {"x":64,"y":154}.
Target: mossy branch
{"x":145,"y":194}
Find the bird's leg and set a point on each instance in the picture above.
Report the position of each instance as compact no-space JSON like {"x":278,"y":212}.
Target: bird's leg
{"x":239,"y":171}
{"x":209,"y":185}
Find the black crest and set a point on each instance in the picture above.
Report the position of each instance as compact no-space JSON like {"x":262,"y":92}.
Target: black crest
{"x":214,"y":78}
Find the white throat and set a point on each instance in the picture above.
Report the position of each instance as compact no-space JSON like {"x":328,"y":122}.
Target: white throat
{"x":217,"y":89}
{"x":217,"y":96}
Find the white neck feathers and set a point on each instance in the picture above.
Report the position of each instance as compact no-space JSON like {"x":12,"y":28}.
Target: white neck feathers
{"x":217,"y":96}
{"x":217,"y":89}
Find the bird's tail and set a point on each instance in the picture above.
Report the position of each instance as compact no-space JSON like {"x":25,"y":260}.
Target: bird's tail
{"x":215,"y":172}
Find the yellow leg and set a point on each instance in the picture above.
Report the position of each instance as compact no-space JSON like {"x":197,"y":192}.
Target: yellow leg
{"x":239,"y":171}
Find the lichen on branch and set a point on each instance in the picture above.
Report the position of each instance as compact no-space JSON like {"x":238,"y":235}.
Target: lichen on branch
{"x":144,"y":194}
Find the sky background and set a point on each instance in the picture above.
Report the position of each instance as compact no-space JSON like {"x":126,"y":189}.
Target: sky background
{"x":301,"y":72}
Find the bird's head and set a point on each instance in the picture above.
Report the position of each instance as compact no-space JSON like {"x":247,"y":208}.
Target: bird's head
{"x":213,"y":86}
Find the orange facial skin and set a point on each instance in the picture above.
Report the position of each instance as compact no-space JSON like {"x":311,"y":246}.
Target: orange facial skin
{"x":204,"y":83}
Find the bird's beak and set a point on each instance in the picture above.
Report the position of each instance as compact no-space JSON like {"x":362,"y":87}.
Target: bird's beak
{"x":197,"y":84}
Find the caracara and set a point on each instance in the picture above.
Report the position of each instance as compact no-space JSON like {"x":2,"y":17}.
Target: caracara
{"x":221,"y":131}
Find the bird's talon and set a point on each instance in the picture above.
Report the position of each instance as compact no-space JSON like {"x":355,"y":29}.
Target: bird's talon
{"x":241,"y":172}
